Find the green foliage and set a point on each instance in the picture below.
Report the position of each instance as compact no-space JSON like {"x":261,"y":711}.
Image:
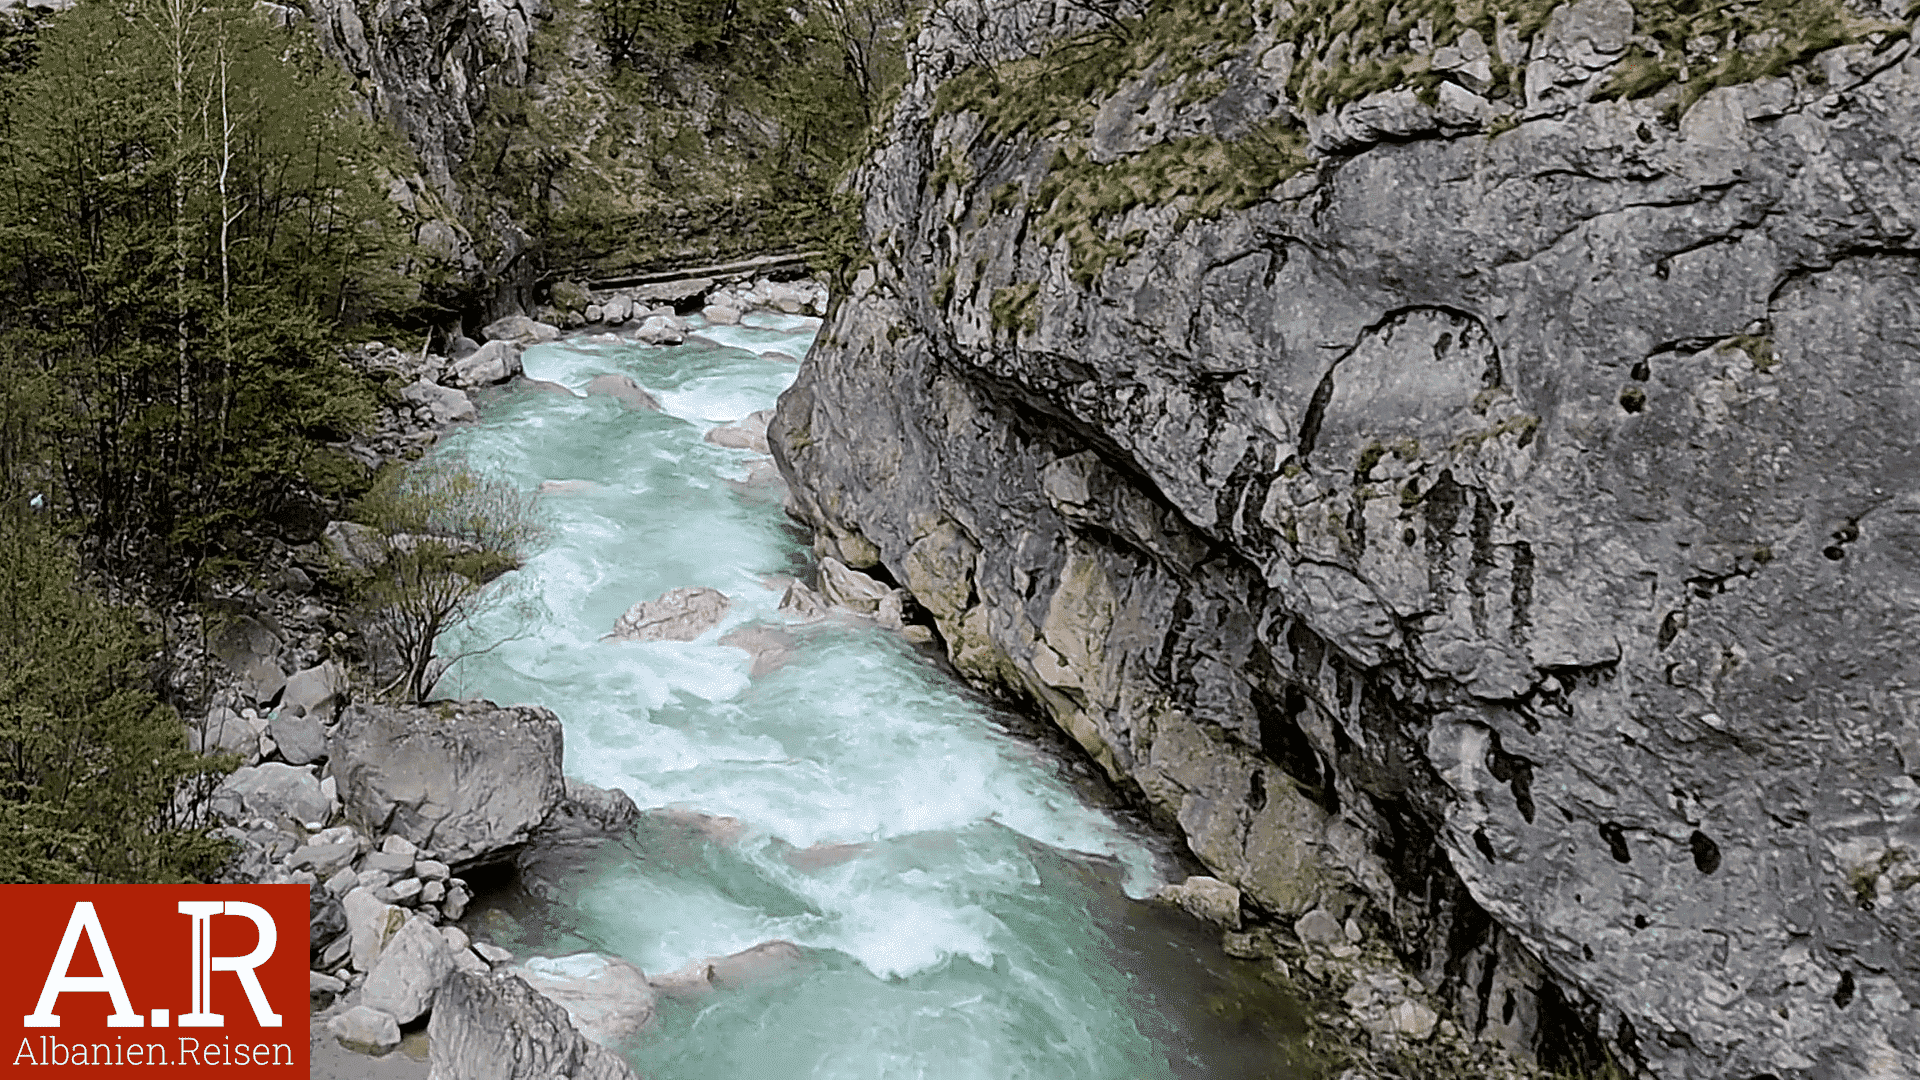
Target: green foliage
{"x":444,"y":532}
{"x":89,"y":761}
{"x":1016,"y":307}
{"x":181,"y":231}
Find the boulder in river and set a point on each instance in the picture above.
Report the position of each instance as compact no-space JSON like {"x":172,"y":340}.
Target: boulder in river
{"x":747,"y":433}
{"x":606,"y":997}
{"x":1205,"y":898}
{"x":677,"y":615}
{"x":618,"y":309}
{"x":721,"y":314}
{"x":850,"y":589}
{"x":446,"y":404}
{"x":469,"y":779}
{"x":589,"y":810}
{"x":520,"y":330}
{"x":494,"y":362}
{"x":494,"y":1026}
{"x":661,"y":330}
{"x":625,"y":390}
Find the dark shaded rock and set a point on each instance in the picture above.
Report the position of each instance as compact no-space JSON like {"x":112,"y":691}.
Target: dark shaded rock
{"x":327,"y":920}
{"x":589,"y":811}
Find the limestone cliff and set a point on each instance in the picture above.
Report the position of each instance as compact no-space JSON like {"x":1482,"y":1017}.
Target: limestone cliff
{"x":1466,"y":475}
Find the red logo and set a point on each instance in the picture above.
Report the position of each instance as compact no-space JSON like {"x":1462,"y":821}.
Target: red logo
{"x":143,"y":976}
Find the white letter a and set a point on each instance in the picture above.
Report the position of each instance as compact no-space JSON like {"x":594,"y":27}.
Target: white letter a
{"x":107,"y":982}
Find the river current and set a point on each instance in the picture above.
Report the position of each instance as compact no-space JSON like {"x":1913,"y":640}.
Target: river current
{"x":962,"y":911}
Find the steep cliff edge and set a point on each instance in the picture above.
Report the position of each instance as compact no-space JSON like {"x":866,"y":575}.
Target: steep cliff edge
{"x":1467,"y":478}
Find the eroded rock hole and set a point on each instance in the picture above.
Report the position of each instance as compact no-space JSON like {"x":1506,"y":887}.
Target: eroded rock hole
{"x":1639,"y":922}
{"x":1514,"y":771}
{"x":1633,"y":399}
{"x":1257,"y":792}
{"x":1670,"y":628}
{"x":1843,"y":994}
{"x":1616,"y":838}
{"x":1641,"y":372}
{"x":1834,"y":552}
{"x":1706,"y":853}
{"x":1507,"y":1008}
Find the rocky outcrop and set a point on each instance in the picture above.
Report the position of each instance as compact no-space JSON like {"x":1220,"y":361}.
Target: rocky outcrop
{"x":1505,"y":543}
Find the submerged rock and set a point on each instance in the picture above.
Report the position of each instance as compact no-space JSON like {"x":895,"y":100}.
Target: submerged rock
{"x":625,"y":390}
{"x":677,"y":615}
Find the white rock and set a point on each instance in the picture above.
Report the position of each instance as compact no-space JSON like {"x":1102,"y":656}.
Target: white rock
{"x":447,"y":404}
{"x":1207,"y":898}
{"x":372,"y":923}
{"x":606,"y":997}
{"x":409,"y":970}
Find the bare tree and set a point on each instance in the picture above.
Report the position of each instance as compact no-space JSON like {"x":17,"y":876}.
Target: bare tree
{"x":444,"y":533}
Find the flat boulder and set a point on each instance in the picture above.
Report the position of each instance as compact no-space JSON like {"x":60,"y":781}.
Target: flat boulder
{"x":365,"y":1030}
{"x":283,"y":794}
{"x":624,"y":390}
{"x":446,"y":404}
{"x":493,"y":1026}
{"x":494,"y":362}
{"x":606,"y":997}
{"x":721,"y":314}
{"x":469,"y":779}
{"x":677,"y":615}
{"x":520,"y":330}
{"x":409,"y":970}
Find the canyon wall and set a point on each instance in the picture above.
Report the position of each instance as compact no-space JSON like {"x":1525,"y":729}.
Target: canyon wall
{"x":1485,"y":504}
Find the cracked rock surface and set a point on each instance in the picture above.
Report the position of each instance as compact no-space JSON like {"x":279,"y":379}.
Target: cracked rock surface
{"x":1512,"y":543}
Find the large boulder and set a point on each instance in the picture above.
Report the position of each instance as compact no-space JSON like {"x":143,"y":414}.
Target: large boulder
{"x":373,"y":923}
{"x":365,"y":1030}
{"x":223,"y":731}
{"x":618,"y":309}
{"x":588,"y":811}
{"x":494,"y":362}
{"x":495,"y":1027}
{"x":850,"y":589}
{"x":677,"y":615}
{"x":283,"y":794}
{"x":409,"y":971}
{"x":661,"y":330}
{"x":316,"y":691}
{"x":446,"y":404}
{"x":469,"y":779}
{"x":520,"y":330}
{"x":606,"y":997}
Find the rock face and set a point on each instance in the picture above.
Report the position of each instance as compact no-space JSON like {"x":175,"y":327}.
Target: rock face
{"x":496,"y":1027}
{"x":1510,"y":540}
{"x":473,"y":784}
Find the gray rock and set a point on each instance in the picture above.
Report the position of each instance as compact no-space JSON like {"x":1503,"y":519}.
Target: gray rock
{"x":677,"y":615}
{"x":461,"y":347}
{"x":1319,"y":928}
{"x":606,"y":997}
{"x":519,"y":330}
{"x":395,"y":844}
{"x":587,"y":811}
{"x":617,"y":310}
{"x":721,"y":315}
{"x":372,"y":922}
{"x":625,"y":390}
{"x":354,"y":545}
{"x":365,"y":1030}
{"x":323,"y":988}
{"x":850,"y":589}
{"x":431,"y":870}
{"x":409,"y":970}
{"x":802,"y":602}
{"x":222,"y":731}
{"x":316,"y":691}
{"x":496,"y":1027}
{"x":473,"y":786}
{"x":748,"y":433}
{"x":491,"y":953}
{"x":494,"y":362}
{"x":325,"y":860}
{"x":661,"y":330}
{"x":326,"y":920}
{"x":406,"y":891}
{"x":284,"y":794}
{"x":447,"y":404}
{"x":1206,"y":898}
